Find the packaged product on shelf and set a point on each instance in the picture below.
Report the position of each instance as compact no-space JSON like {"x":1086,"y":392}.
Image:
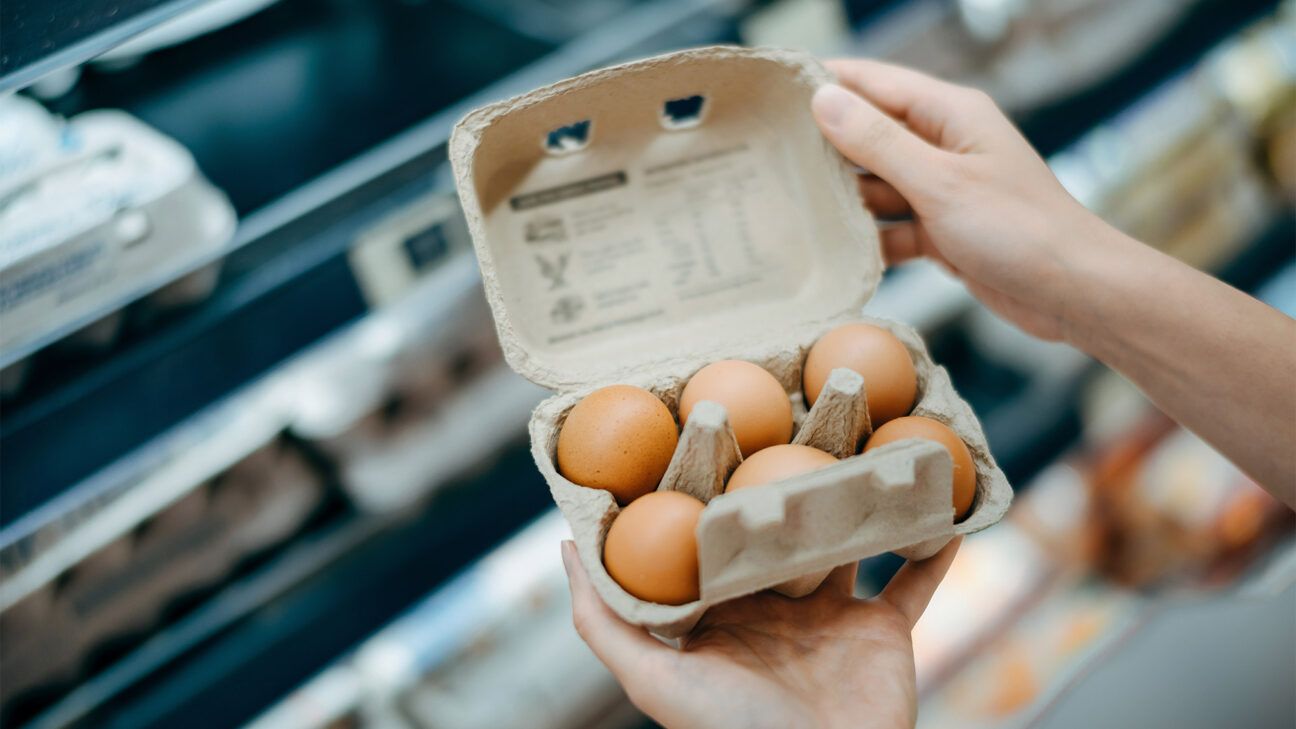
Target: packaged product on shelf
{"x":115,"y":596}
{"x":1171,"y":509}
{"x":638,"y":223}
{"x":1027,"y":55}
{"x":1254,"y":72}
{"x":93,"y":212}
{"x":412,"y":397}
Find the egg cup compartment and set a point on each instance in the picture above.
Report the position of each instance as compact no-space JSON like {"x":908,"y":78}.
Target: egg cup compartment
{"x":645,"y":250}
{"x":706,"y":455}
{"x":838,"y":423}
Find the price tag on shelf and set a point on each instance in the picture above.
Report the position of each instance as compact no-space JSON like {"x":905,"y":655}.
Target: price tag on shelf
{"x":395,"y":253}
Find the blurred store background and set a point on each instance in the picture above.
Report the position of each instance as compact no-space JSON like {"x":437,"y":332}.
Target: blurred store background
{"x":261,"y":461}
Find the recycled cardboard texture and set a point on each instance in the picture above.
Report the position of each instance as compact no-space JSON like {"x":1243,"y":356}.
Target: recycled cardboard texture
{"x":651,"y":249}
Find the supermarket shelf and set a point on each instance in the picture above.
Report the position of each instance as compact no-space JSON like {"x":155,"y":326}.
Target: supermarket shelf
{"x":307,"y":557}
{"x":487,"y":412}
{"x":287,"y":281}
{"x":289,"y":267}
{"x":1054,"y":126}
{"x":287,"y":270}
{"x":1176,"y":661}
{"x":182,"y":92}
{"x":498,"y":630}
{"x":38,"y":38}
{"x":283,"y":607}
{"x":305,"y":616}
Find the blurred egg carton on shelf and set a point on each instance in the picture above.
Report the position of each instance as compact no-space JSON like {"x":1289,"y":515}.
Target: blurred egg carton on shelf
{"x":1024,"y":53}
{"x":408,"y":397}
{"x":415,"y":394}
{"x":1179,"y":169}
{"x":498,"y":648}
{"x":493,"y":647}
{"x":96,"y":212}
{"x":1163,"y":510}
{"x":75,"y":600}
{"x":1029,"y":609}
{"x":1256,"y":74}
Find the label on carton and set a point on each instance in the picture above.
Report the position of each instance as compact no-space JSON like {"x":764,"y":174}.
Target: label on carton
{"x":657,"y":241}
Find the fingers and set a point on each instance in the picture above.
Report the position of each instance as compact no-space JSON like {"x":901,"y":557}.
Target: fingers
{"x":875,"y":141}
{"x":882,"y":199}
{"x":623,"y":648}
{"x":957,"y":118}
{"x":895,"y":89}
{"x":921,"y":101}
{"x":913,"y":586}
{"x":906,"y":240}
{"x":900,"y":242}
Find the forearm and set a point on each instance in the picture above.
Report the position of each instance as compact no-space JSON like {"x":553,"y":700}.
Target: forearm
{"x":1216,"y":360}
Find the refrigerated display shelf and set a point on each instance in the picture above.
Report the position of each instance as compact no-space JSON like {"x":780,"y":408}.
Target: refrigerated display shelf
{"x":1056,"y":125}
{"x":309,"y":93}
{"x":292,"y":268}
{"x":211,"y":667}
{"x":215,"y":648}
{"x":287,"y":282}
{"x":284,"y":95}
{"x":38,"y":38}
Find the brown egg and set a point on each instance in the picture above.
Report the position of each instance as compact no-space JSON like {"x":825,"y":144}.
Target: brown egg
{"x":777,"y":463}
{"x":889,"y":378}
{"x":651,"y":549}
{"x":757,"y":405}
{"x":916,"y":426}
{"x":620,"y":439}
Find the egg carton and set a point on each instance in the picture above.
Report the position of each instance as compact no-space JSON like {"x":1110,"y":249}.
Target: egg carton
{"x":97,"y":212}
{"x":637,"y":223}
{"x":135,"y":583}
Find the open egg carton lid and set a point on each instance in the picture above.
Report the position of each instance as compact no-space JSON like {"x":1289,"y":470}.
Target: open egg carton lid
{"x":662,"y":213}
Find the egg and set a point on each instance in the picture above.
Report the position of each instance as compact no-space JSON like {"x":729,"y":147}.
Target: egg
{"x":651,"y":548}
{"x":758,"y":407}
{"x":890,"y":382}
{"x":916,"y":426}
{"x":620,"y":439}
{"x":777,"y":463}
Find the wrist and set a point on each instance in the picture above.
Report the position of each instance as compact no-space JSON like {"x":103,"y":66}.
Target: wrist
{"x":1101,"y":264}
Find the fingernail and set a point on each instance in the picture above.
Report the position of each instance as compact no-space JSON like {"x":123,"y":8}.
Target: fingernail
{"x":831,"y":104}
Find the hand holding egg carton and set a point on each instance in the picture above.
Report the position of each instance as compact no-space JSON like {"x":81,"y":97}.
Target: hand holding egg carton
{"x":664,"y":242}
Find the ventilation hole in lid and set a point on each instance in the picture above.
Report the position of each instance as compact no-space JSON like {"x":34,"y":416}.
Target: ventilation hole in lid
{"x":683,"y":113}
{"x":570,"y":138}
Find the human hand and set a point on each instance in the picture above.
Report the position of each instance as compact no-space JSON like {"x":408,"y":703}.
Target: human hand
{"x":981,"y":201}
{"x":765,"y":660}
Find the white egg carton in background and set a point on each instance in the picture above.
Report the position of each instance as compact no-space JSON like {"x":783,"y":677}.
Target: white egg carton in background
{"x":637,"y":223}
{"x":92,"y":211}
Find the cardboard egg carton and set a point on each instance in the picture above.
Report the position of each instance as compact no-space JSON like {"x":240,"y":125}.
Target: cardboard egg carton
{"x":637,"y":223}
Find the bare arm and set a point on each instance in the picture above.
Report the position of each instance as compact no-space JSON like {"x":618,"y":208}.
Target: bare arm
{"x":979,"y":200}
{"x":1216,"y":360}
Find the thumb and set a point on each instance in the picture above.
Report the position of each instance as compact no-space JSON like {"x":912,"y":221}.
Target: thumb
{"x":913,"y":586}
{"x":625,"y":649}
{"x":871,"y":139}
